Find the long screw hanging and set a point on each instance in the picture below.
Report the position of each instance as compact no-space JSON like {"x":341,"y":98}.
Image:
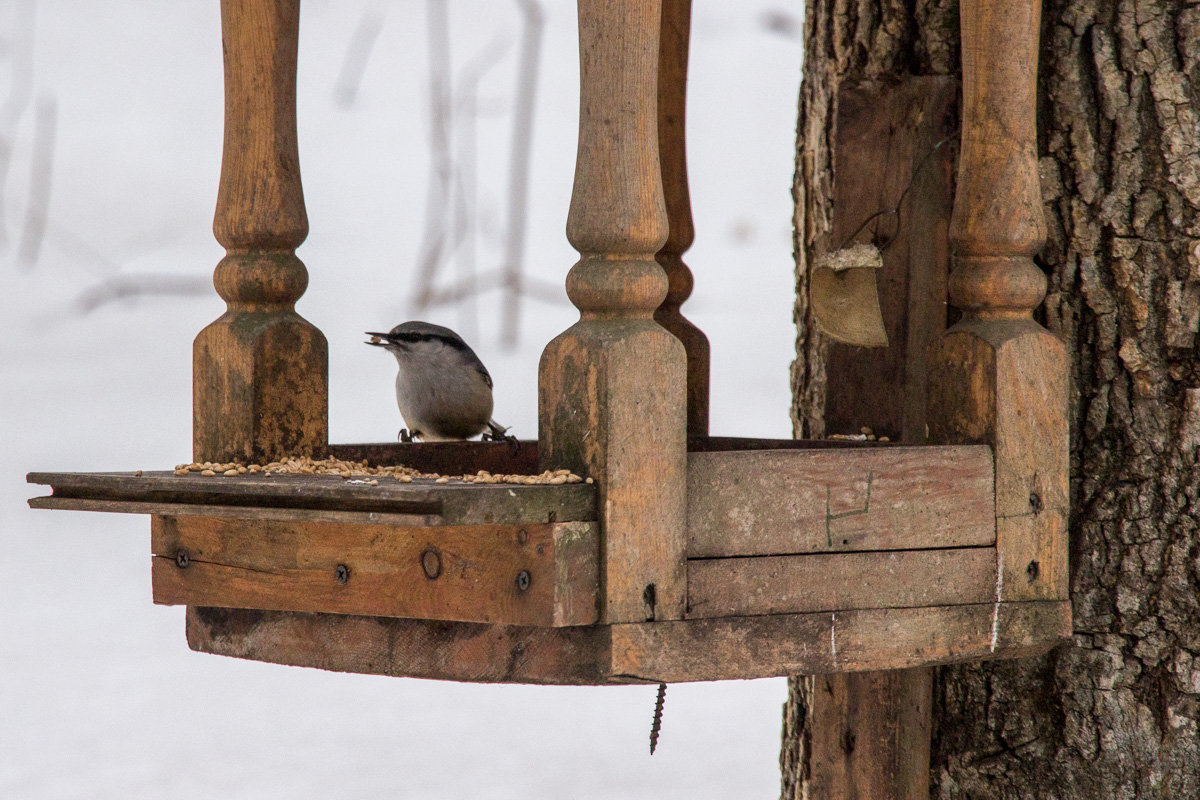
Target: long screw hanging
{"x":656,"y":725}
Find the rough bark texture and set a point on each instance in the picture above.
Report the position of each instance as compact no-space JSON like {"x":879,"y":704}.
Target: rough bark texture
{"x":1116,"y":713}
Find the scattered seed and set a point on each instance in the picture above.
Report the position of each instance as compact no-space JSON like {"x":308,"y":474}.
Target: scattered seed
{"x":208,"y":473}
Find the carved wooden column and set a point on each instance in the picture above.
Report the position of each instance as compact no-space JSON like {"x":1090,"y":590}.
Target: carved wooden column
{"x":612,"y":396}
{"x":998,"y":376}
{"x":672,"y":152}
{"x":260,"y":371}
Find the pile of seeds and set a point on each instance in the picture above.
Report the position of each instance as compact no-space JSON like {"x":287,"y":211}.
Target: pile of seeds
{"x":864,"y":435}
{"x":305,"y":465}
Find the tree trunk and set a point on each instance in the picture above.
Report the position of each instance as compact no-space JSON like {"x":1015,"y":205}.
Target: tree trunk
{"x":1116,"y":712}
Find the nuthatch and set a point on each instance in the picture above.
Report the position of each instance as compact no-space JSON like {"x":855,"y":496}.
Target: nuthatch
{"x":443,"y":389}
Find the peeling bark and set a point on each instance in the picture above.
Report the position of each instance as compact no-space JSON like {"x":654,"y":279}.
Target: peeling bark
{"x":1115,"y":714}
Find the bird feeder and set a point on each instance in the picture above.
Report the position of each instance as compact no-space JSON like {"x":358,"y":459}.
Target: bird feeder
{"x":690,"y":557}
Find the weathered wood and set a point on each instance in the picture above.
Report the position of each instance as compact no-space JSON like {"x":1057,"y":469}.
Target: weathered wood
{"x":673,"y":651}
{"x":886,"y":135}
{"x":446,"y":458}
{"x":806,"y":501}
{"x":260,"y":371}
{"x":443,"y":504}
{"x":518,"y":575}
{"x":729,"y":587}
{"x":997,"y":376}
{"x":232,"y":512}
{"x":873,"y":734}
{"x":612,"y":388}
{"x":674,"y":38}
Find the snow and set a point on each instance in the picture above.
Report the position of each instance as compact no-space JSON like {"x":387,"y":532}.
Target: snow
{"x":101,"y":697}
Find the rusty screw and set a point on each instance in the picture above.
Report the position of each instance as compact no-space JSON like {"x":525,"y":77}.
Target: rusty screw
{"x":523,"y":580}
{"x":342,"y":572}
{"x":431,"y":563}
{"x":182,"y":559}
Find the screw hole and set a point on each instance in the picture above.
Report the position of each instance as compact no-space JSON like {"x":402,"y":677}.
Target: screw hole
{"x":1032,"y":571}
{"x":431,"y":563}
{"x":1035,"y":502}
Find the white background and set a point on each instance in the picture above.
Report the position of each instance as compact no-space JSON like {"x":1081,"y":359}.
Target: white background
{"x":99,"y":695}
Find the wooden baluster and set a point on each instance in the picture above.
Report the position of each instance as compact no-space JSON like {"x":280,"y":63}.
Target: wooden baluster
{"x":672,"y":152}
{"x":260,"y":371}
{"x":998,"y":376}
{"x":612,"y":388}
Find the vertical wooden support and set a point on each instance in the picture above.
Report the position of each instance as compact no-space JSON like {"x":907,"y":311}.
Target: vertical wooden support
{"x":672,"y":152}
{"x":260,"y":371}
{"x":870,"y":730}
{"x":612,"y":396}
{"x":998,"y":376}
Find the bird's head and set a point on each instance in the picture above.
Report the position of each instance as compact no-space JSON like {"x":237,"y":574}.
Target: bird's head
{"x":416,"y":339}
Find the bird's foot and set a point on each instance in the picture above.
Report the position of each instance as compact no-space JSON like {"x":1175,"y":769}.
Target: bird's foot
{"x":495,"y":433}
{"x":405,"y":435}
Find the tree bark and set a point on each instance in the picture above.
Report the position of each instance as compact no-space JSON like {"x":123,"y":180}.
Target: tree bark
{"x":1116,"y":712}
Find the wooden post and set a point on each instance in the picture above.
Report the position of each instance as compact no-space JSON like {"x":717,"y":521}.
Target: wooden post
{"x":612,"y":388}
{"x":260,"y":374}
{"x":672,"y":152}
{"x":998,"y":376}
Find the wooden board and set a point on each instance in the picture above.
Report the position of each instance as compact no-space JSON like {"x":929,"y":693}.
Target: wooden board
{"x":672,"y":651}
{"x":730,"y":587}
{"x":809,"y":501}
{"x":519,"y":575}
{"x":441,"y":504}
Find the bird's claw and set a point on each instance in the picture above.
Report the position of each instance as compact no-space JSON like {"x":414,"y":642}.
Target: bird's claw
{"x":404,"y":436}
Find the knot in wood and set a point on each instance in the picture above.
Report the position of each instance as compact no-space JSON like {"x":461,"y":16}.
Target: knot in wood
{"x":261,"y":280}
{"x":993,"y":287}
{"x":622,"y":287}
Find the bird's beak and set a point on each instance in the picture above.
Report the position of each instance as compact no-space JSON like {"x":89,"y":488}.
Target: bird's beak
{"x":377,"y":339}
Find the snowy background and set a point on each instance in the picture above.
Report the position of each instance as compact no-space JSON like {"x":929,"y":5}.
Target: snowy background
{"x":110,"y":121}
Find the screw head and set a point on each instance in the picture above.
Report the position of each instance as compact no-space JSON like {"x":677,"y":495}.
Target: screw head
{"x":342,"y":573}
{"x":182,"y":559}
{"x":523,"y":580}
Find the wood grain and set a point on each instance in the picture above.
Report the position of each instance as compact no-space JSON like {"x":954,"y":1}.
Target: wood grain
{"x":674,"y":38}
{"x":612,"y":389}
{"x":442,"y":504}
{"x":886,"y":140}
{"x":674,"y":651}
{"x":734,"y":587}
{"x":260,"y":371}
{"x":805,"y":501}
{"x":464,"y":573}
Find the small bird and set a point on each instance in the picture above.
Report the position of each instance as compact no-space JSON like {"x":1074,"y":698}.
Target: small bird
{"x":443,"y":389}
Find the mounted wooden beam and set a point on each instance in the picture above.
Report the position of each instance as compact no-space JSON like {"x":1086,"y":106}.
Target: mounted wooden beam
{"x":612,"y":388}
{"x":260,"y":371}
{"x":531,"y":574}
{"x":647,"y":652}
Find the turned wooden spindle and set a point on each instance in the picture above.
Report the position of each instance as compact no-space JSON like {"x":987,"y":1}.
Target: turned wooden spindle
{"x":998,"y":376}
{"x":612,"y":388}
{"x":260,"y":371}
{"x":672,"y":152}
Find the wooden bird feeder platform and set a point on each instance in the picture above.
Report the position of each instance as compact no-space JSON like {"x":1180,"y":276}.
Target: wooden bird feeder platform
{"x":690,"y":557}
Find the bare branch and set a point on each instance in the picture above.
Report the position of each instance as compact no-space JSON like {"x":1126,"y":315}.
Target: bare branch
{"x":37,"y":210}
{"x":358,"y":53}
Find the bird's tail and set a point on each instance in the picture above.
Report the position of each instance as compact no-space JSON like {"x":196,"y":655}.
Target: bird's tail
{"x":497,"y":432}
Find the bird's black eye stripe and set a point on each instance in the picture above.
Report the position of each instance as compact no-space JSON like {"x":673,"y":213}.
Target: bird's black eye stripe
{"x":457,"y":344}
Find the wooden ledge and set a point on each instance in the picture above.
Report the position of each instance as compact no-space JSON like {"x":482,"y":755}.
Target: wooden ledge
{"x":688,"y":650}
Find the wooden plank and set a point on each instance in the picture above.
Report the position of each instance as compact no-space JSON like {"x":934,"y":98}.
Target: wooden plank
{"x":734,"y":587}
{"x":870,"y":730}
{"x":885,"y":139}
{"x":850,"y":641}
{"x":445,"y":458}
{"x":783,"y":502}
{"x":673,"y":651}
{"x":612,"y":389}
{"x":528,"y":575}
{"x":232,"y":512}
{"x":451,"y":503}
